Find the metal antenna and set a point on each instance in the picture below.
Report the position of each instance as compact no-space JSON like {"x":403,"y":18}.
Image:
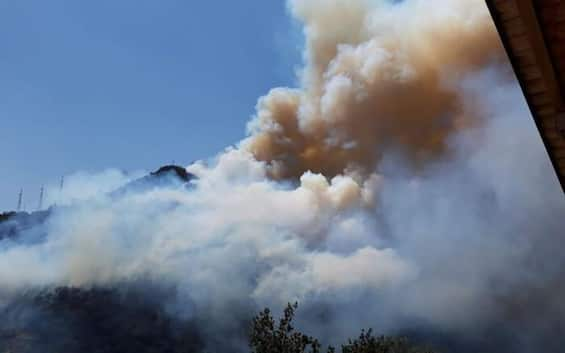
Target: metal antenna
{"x":20,"y":195}
{"x":61,"y":188}
{"x":40,"y":205}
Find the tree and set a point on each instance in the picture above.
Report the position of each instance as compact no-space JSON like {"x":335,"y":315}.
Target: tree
{"x":367,"y":343}
{"x":266,"y":337}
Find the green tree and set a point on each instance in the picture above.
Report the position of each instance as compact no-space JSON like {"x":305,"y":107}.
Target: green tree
{"x":367,"y":343}
{"x":268,"y":337}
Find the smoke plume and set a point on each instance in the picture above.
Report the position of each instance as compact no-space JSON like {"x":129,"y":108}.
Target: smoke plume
{"x":378,"y":76}
{"x":403,"y":186}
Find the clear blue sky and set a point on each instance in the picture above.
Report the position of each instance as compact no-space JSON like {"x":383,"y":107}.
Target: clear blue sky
{"x":131,"y":84}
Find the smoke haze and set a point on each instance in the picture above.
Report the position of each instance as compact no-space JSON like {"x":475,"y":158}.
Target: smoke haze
{"x":403,"y":186}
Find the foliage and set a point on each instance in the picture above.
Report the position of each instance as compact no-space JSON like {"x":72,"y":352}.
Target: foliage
{"x":266,"y":337}
{"x":6,"y":215}
{"x":367,"y":343}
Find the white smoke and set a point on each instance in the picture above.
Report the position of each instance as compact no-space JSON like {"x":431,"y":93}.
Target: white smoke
{"x":375,"y":242}
{"x":82,"y":186}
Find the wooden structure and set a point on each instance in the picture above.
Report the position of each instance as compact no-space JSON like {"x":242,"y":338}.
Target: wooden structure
{"x":533,"y":33}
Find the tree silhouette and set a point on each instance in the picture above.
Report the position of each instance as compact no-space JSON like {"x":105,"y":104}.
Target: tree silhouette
{"x":267,"y":337}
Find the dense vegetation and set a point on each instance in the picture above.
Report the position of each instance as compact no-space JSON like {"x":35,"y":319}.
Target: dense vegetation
{"x":266,"y":337}
{"x":109,"y":321}
{"x":6,"y":215}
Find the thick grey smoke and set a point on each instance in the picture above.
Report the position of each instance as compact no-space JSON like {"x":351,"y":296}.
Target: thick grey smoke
{"x":403,"y":187}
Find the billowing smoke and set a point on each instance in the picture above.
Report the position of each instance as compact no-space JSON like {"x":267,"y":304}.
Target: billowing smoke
{"x":378,"y":76}
{"x":402,"y":187}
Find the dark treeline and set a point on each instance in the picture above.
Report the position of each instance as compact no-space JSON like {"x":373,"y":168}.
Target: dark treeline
{"x":95,"y":320}
{"x":282,"y":337}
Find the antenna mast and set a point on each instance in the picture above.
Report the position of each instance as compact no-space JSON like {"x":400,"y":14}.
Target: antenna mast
{"x":40,"y":205}
{"x":20,"y":195}
{"x":61,"y":185}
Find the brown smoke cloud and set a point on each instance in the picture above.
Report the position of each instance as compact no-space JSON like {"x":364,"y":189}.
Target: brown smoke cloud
{"x":377,"y":76}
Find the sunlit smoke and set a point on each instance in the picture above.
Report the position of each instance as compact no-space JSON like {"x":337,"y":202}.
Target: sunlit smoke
{"x":402,"y":186}
{"x":378,"y":76}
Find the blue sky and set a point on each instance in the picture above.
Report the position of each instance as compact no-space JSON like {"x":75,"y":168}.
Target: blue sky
{"x":131,"y":84}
